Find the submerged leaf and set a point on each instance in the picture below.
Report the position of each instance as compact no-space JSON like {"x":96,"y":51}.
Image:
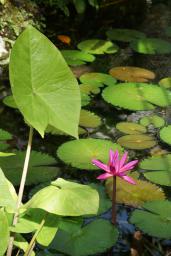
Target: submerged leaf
{"x":130,"y":128}
{"x":80,"y":153}
{"x":48,"y":84}
{"x":124,"y":35}
{"x":137,"y":141}
{"x":155,"y":219}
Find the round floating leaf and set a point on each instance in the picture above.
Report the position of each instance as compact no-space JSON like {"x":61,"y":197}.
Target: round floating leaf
{"x":85,"y":99}
{"x":155,"y":120}
{"x":151,"y":46}
{"x":89,"y":119}
{"x":156,"y":221}
{"x":4,"y":135}
{"x":66,"y":198}
{"x":9,"y":101}
{"x":41,"y":79}
{"x":91,"y":239}
{"x":124,"y":35}
{"x":40,"y":167}
{"x":165,"y":82}
{"x":158,"y":169}
{"x":132,"y":74}
{"x":100,"y":78}
{"x":137,"y":96}
{"x":80,"y":153}
{"x":137,"y":141}
{"x":97,"y":46}
{"x":165,"y":133}
{"x":76,"y":57}
{"x":136,"y":195}
{"x":130,"y":128}
{"x":93,"y":88}
{"x":168,"y":31}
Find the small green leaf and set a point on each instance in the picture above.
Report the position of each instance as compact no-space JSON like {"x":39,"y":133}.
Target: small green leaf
{"x":101,"y":78}
{"x":4,"y":233}
{"x":165,"y":134}
{"x":91,"y":239}
{"x":9,"y":101}
{"x":80,"y":153}
{"x":41,"y":79}
{"x":130,"y":128}
{"x":89,"y":119}
{"x":165,"y":82}
{"x":76,"y":57}
{"x":155,"y":120}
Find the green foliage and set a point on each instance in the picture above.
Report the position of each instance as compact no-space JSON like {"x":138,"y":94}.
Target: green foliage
{"x":80,"y":153}
{"x":85,"y":99}
{"x":140,"y":96}
{"x":76,"y":57}
{"x":66,"y":198}
{"x":165,"y":82}
{"x":50,"y":88}
{"x":124,"y":35}
{"x":89,"y":119}
{"x":9,"y":101}
{"x":97,"y":46}
{"x":97,"y":78}
{"x":155,"y":221}
{"x":155,"y":120}
{"x":4,"y":234}
{"x":41,"y":167}
{"x":21,"y":243}
{"x":92,"y":88}
{"x":151,"y":46}
{"x":165,"y":134}
{"x":137,"y":141}
{"x":158,"y":169}
{"x":168,"y":31}
{"x":130,"y":128}
{"x":93,"y":238}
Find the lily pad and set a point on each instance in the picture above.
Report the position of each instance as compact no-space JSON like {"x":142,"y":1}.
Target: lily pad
{"x":151,"y":46}
{"x":101,"y":78}
{"x":80,"y":153}
{"x":137,"y":96}
{"x":91,"y":239}
{"x":85,"y":99}
{"x":137,"y":141}
{"x":124,"y":35}
{"x":136,"y":195}
{"x":132,"y":74}
{"x":97,"y":46}
{"x":155,"y":219}
{"x":165,"y":133}
{"x":41,"y":167}
{"x":158,"y":169}
{"x":165,"y":82}
{"x":76,"y":57}
{"x":155,"y":120}
{"x":93,"y":88}
{"x":9,"y":101}
{"x":130,"y":128}
{"x":89,"y":119}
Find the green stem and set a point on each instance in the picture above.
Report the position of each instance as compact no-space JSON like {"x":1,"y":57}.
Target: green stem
{"x":114,"y":201}
{"x":21,"y":190}
{"x":32,"y":242}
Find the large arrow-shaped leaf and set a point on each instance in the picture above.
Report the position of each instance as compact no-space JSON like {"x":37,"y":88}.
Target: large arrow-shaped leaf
{"x":43,"y":86}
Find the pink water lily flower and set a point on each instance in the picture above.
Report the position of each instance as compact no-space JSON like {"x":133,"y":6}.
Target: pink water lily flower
{"x":116,"y":167}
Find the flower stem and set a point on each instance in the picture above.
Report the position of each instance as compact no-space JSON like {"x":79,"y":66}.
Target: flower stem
{"x":21,"y":190}
{"x":114,"y":201}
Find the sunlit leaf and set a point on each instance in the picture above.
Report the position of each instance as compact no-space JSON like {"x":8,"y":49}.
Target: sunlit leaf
{"x":76,"y":57}
{"x":165,"y":134}
{"x":9,"y":101}
{"x":155,"y":120}
{"x":101,"y":78}
{"x":89,"y":119}
{"x":130,"y":128}
{"x":21,"y":243}
{"x":4,"y":234}
{"x":165,"y":82}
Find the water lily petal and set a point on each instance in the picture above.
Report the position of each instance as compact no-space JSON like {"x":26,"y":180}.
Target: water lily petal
{"x":104,"y":176}
{"x":128,"y":179}
{"x":128,"y":166}
{"x":123,"y":159}
{"x":101,"y":165}
{"x":111,"y":157}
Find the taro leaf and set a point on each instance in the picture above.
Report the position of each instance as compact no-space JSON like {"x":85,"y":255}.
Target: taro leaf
{"x":158,"y":169}
{"x":155,"y":120}
{"x":124,"y":35}
{"x":140,"y":96}
{"x":66,"y":198}
{"x":91,"y":239}
{"x":9,"y":101}
{"x":165,"y":133}
{"x":165,"y":82}
{"x":21,"y":243}
{"x":137,"y":141}
{"x":85,"y":99}
{"x":80,"y":153}
{"x":41,"y":79}
{"x":130,"y":128}
{"x":40,"y":169}
{"x":77,"y":58}
{"x":54,"y":131}
{"x":168,"y":31}
{"x":100,"y":78}
{"x":151,"y":46}
{"x":8,"y":196}
{"x":89,"y":119}
{"x":155,"y":220}
{"x":97,"y":46}
{"x":93,"y":88}
{"x":132,"y":74}
{"x":136,"y":195}
{"x":4,"y":234}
